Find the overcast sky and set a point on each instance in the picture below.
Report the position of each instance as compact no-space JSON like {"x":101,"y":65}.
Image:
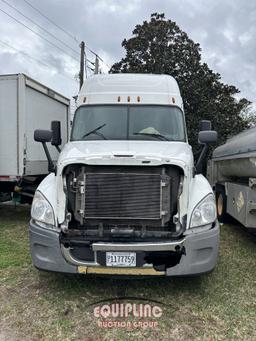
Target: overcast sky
{"x":225,"y":29}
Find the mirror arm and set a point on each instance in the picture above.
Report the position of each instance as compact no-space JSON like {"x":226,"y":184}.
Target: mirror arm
{"x":58,"y":148}
{"x":51,"y":167}
{"x":199,"y":164}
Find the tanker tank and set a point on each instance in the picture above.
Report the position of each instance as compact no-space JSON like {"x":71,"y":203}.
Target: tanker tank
{"x":237,"y":157}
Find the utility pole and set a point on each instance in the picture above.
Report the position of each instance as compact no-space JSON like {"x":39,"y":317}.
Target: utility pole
{"x":96,"y":66}
{"x":81,"y":73}
{"x":85,"y":64}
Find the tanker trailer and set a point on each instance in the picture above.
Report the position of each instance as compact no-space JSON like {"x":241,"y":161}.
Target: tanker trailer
{"x":232,"y":174}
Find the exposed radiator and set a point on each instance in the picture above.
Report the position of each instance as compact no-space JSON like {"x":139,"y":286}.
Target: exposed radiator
{"x":123,"y":196}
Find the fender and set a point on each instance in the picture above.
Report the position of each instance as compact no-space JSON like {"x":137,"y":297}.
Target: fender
{"x":48,"y":187}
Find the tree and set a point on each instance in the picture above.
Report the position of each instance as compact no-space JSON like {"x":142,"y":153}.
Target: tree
{"x":160,"y":46}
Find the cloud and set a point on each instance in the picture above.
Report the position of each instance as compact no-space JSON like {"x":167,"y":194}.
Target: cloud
{"x":225,"y":31}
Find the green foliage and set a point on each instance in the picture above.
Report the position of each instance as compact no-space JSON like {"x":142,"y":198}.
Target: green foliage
{"x":13,"y":246}
{"x":160,"y":46}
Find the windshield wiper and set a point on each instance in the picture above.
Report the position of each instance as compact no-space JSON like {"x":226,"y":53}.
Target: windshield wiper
{"x":95,"y":131}
{"x":158,"y":136}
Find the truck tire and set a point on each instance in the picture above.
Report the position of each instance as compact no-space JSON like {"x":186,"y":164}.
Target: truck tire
{"x":221,"y":204}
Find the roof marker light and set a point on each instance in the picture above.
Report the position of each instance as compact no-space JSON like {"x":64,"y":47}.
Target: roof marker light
{"x":173,"y":100}
{"x":128,"y":99}
{"x":118,"y":98}
{"x":138,"y":98}
{"x":84,"y":100}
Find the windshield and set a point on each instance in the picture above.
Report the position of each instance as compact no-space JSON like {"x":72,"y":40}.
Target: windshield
{"x":134,"y":122}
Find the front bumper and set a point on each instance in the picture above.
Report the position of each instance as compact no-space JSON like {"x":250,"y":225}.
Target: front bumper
{"x":201,"y":251}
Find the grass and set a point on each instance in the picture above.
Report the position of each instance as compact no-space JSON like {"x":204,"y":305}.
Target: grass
{"x":44,"y":306}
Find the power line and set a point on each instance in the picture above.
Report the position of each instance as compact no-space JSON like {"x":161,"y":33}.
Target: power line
{"x":51,"y":21}
{"x":88,"y":60}
{"x":35,"y":59}
{"x":42,"y":28}
{"x":38,"y":34}
{"x":65,"y":31}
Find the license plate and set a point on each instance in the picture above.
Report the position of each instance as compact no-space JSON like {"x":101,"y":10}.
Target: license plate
{"x":121,"y":259}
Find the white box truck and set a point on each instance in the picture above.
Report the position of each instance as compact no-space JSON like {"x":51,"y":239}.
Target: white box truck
{"x":26,"y":104}
{"x":126,"y":197}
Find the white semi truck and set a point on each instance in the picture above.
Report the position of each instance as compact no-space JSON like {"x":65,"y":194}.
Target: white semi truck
{"x":125,"y":197}
{"x":26,"y":104}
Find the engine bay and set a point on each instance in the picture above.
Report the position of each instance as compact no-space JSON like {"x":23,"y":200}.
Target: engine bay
{"x":122,"y":202}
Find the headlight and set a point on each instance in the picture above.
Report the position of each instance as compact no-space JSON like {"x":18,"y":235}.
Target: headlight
{"x":42,"y":211}
{"x":204,"y":213}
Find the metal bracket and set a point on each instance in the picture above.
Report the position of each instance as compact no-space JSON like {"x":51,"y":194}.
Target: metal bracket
{"x":64,"y":225}
{"x":251,"y":207}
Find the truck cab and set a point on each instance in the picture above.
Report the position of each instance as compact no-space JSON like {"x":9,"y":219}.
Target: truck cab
{"x":125,"y":197}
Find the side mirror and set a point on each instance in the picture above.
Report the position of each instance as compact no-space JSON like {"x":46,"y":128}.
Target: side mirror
{"x":205,"y":125}
{"x":42,"y":135}
{"x":56,"y":133}
{"x":207,"y":136}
